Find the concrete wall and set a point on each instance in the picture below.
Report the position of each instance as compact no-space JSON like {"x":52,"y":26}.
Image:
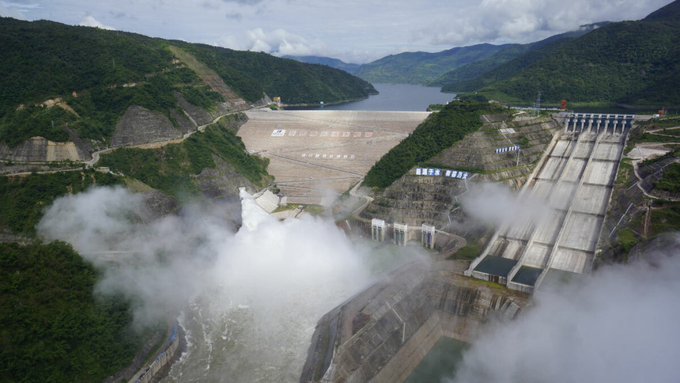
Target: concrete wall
{"x":38,"y":149}
{"x":392,"y":325}
{"x":163,"y":360}
{"x":574,"y":181}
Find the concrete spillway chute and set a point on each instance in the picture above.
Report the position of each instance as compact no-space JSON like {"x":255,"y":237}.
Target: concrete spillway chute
{"x":575,"y":180}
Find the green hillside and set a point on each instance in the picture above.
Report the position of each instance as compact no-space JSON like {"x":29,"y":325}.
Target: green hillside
{"x":100,"y":73}
{"x":173,"y":167}
{"x":436,"y":134}
{"x":633,"y":62}
{"x":331,"y":62}
{"x":23,"y":199}
{"x":453,"y":81}
{"x":52,"y":328}
{"x":422,"y":67}
{"x":506,"y":70}
{"x":250,"y":74}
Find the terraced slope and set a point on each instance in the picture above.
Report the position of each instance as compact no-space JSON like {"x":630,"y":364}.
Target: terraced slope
{"x":415,"y":199}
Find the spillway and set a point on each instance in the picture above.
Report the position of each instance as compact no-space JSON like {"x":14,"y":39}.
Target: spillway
{"x":253,"y":317}
{"x":574,"y":181}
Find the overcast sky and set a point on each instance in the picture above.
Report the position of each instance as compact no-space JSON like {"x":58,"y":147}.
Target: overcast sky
{"x":352,"y":30}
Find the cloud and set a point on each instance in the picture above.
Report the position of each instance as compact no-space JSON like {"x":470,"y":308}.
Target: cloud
{"x":234,"y":16}
{"x":497,"y":205}
{"x":244,"y":2}
{"x":9,"y":12}
{"x":266,"y":281}
{"x":90,"y":21}
{"x":617,"y":325}
{"x":278,"y":42}
{"x":173,"y":258}
{"x":119,"y":15}
{"x":17,"y":8}
{"x":523,"y":20}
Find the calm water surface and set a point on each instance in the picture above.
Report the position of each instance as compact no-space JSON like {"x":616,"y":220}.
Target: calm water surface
{"x":395,"y":97}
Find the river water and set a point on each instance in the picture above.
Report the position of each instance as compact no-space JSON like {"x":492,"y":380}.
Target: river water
{"x":395,"y":97}
{"x":276,"y":281}
{"x":279,"y":278}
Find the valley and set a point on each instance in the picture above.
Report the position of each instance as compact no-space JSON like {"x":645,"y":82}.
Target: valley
{"x":244,"y":208}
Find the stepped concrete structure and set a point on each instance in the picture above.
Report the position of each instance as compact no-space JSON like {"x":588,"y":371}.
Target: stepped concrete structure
{"x":319,"y":154}
{"x":382,"y":333}
{"x":574,"y":180}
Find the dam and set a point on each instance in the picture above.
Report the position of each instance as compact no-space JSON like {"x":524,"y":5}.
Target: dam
{"x":574,"y":181}
{"x":382,"y":333}
{"x":313,"y":153}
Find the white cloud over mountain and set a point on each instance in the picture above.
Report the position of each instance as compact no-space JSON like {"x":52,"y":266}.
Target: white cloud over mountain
{"x":352,"y":30}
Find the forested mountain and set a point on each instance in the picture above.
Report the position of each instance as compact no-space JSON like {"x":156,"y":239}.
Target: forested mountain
{"x":434,"y":135}
{"x":98,"y":74}
{"x":52,"y":327}
{"x":252,"y":73}
{"x":331,"y":62}
{"x":453,"y":80}
{"x":630,"y":62}
{"x":423,"y":67}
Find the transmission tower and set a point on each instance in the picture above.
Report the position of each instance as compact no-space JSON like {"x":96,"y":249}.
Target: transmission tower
{"x":537,"y":105}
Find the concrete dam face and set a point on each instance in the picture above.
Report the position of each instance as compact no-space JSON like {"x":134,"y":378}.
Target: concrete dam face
{"x":313,"y":153}
{"x":573,"y":181}
{"x":382,"y":334}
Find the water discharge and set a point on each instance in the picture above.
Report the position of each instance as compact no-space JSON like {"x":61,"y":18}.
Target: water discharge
{"x":249,"y":298}
{"x":275,"y":280}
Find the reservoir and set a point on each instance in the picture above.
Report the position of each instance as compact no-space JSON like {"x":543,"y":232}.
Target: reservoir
{"x":394,"y":97}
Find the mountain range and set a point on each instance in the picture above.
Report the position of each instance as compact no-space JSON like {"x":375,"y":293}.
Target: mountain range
{"x":630,"y":63}
{"x":96,"y":75}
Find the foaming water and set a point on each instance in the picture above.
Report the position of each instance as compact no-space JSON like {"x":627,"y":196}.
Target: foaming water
{"x":274,"y":280}
{"x":249,"y":300}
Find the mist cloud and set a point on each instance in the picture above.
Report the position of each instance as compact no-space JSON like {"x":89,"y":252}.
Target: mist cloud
{"x":525,"y":20}
{"x":278,"y":42}
{"x":266,"y":264}
{"x":351,"y":30}
{"x":497,"y":205}
{"x":617,"y":325}
{"x":90,"y":21}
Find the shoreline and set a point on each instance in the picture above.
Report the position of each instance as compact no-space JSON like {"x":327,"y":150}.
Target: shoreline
{"x":159,"y":367}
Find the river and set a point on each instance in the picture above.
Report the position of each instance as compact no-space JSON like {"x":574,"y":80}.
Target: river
{"x":275,"y":280}
{"x":394,"y":97}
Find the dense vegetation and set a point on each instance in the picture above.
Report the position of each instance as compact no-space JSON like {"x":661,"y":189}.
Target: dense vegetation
{"x":100,"y":73}
{"x":437,"y":133}
{"x":22,"y":199}
{"x":44,"y":59}
{"x":171,"y":167}
{"x":627,"y":62}
{"x":87,"y":68}
{"x":670,"y":181}
{"x":331,"y":62}
{"x":453,"y":81}
{"x":423,"y":67}
{"x":52,"y":329}
{"x":251,"y":74}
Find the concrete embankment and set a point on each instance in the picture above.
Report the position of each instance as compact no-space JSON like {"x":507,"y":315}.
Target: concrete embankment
{"x":160,"y":366}
{"x":381,"y":334}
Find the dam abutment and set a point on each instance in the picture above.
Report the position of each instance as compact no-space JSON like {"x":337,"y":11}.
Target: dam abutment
{"x":382,"y":333}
